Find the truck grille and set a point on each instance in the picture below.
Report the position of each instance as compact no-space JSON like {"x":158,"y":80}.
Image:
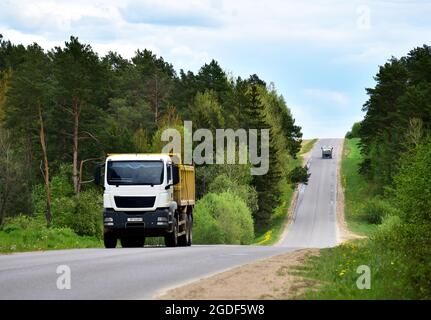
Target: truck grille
{"x":134,"y":202}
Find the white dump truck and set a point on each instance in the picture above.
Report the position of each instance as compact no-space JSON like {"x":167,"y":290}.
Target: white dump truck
{"x":147,"y":195}
{"x":327,"y":152}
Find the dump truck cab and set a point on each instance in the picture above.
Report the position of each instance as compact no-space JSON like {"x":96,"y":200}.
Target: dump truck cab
{"x":327,"y":152}
{"x":147,"y":195}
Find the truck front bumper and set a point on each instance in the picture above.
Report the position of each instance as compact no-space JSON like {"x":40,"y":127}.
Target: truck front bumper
{"x":149,"y":223}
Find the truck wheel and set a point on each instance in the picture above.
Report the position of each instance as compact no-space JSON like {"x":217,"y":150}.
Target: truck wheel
{"x":132,"y":242}
{"x":184,"y":239}
{"x":110,"y":241}
{"x":190,"y":230}
{"x":171,"y":239}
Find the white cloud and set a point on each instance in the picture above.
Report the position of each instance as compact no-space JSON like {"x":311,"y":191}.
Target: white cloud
{"x":278,"y":39}
{"x":167,"y":25}
{"x":331,"y":96}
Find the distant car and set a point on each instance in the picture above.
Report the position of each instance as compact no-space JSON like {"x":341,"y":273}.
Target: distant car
{"x":327,"y":152}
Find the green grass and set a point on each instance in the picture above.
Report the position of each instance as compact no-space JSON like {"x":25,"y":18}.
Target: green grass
{"x":335,"y":273}
{"x":272,"y":234}
{"x":307,"y":146}
{"x":356,"y":189}
{"x":30,"y":234}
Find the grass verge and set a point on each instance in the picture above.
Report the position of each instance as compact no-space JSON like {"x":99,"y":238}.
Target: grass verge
{"x":31,"y":234}
{"x":271,"y":235}
{"x":356,"y":189}
{"x":338,"y":271}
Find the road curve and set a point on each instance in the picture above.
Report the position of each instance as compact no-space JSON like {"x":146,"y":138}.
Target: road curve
{"x":145,"y":272}
{"x":314,"y":223}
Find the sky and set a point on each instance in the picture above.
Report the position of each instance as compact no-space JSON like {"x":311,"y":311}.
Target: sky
{"x":319,"y":54}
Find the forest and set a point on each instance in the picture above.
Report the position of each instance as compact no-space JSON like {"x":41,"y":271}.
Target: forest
{"x":63,"y":110}
{"x":395,"y":143}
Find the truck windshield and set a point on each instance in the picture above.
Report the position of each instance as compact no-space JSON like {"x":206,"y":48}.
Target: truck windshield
{"x":135,"y":172}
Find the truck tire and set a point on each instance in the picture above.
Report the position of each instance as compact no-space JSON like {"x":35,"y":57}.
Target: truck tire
{"x":110,"y":241}
{"x":127,"y":242}
{"x":184,"y":239}
{"x":171,"y":239}
{"x":190,"y":230}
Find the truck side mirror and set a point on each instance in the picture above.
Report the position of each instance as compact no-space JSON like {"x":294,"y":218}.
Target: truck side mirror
{"x":175,"y":175}
{"x":97,"y":174}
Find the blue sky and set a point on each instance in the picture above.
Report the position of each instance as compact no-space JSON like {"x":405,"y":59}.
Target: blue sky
{"x":320,"y":55}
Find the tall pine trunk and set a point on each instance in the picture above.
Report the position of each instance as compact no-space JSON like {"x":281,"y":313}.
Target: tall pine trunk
{"x":75,"y":169}
{"x":156,"y":99}
{"x":48,"y":214}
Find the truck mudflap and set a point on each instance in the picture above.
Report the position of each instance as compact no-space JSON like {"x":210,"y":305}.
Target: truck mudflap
{"x":151,"y":223}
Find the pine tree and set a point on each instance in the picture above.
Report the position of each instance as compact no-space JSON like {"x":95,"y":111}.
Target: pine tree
{"x":267,"y":186}
{"x":28,"y":106}
{"x":80,"y":94}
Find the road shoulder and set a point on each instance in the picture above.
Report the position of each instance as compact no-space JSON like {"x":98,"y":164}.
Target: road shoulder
{"x":343,"y":232}
{"x":269,"y":278}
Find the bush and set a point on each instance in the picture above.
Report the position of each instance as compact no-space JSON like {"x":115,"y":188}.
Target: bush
{"x":21,"y":222}
{"x":247,"y":193}
{"x":88,"y":216}
{"x":354,"y":133}
{"x":413,"y":198}
{"x":206,"y":174}
{"x":375,"y":210}
{"x":24,"y":233}
{"x":388,"y":232}
{"x":222,"y":218}
{"x":299,"y":175}
{"x":82,"y":213}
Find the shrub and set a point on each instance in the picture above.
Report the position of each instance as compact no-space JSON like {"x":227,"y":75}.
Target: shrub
{"x":22,"y":222}
{"x":24,"y":233}
{"x":388,"y":232}
{"x":88,"y":215}
{"x":222,"y":218}
{"x":413,"y":191}
{"x":247,"y":193}
{"x":375,"y":210}
{"x":413,"y":198}
{"x":206,"y":174}
{"x":298,"y":175}
{"x":354,"y":133}
{"x":82,"y":213}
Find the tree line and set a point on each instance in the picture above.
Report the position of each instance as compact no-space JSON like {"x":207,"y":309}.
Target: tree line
{"x":64,"y":109}
{"x":398,"y":114}
{"x":395,"y":140}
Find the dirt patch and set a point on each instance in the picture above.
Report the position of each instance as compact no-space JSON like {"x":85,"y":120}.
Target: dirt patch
{"x":344,"y":234}
{"x":270,"y":278}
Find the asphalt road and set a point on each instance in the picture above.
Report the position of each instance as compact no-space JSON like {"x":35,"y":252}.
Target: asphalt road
{"x":118,"y":273}
{"x":314,"y":221}
{"x":146,"y":272}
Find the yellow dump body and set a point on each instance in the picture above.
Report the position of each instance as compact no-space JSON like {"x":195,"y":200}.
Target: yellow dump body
{"x":184,"y":191}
